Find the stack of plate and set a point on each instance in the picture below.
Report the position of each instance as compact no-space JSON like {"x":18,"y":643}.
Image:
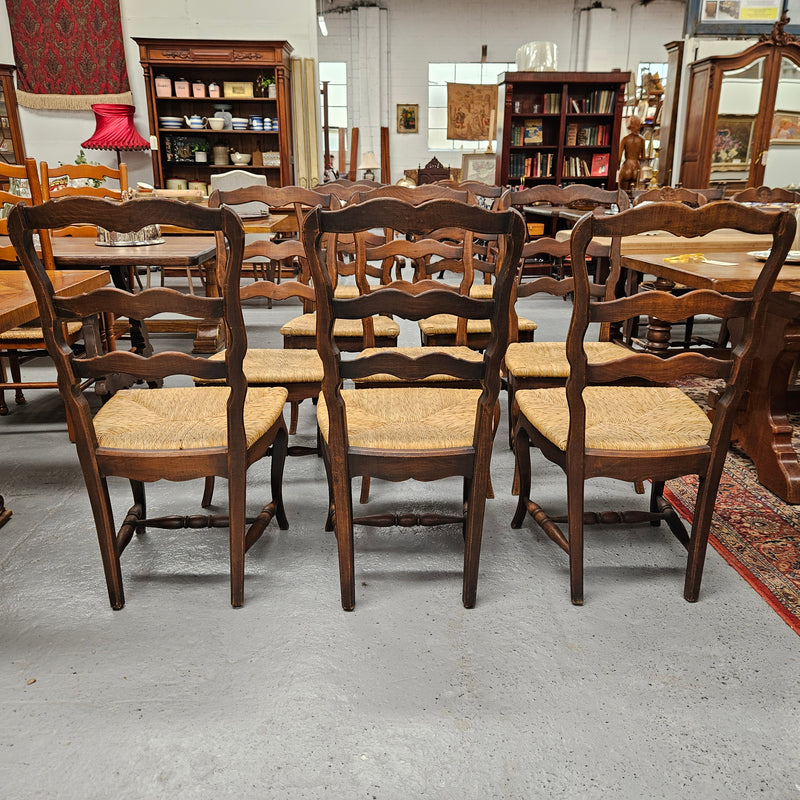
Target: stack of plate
{"x":171,"y":123}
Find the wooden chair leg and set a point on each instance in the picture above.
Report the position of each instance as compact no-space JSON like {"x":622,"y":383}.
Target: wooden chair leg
{"x":100,"y":501}
{"x":365,"y":484}
{"x":16,"y":377}
{"x":237,"y":499}
{"x":208,"y":492}
{"x":294,"y":409}
{"x":473,"y":534}
{"x":522,"y":459}
{"x":343,"y":522}
{"x":575,"y":491}
{"x":3,"y":379}
{"x":280,"y":448}
{"x":707,"y":488}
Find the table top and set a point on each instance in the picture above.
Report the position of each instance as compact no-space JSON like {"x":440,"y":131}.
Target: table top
{"x":274,"y":223}
{"x":723,"y":240}
{"x":739,"y":277}
{"x":18,"y":302}
{"x":179,"y":251}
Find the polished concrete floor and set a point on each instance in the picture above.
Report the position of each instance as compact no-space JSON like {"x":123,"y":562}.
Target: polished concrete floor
{"x":637,"y":694}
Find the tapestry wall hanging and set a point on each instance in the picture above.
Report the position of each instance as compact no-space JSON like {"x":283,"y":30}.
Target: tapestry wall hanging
{"x":470,"y":111}
{"x":69,"y":53}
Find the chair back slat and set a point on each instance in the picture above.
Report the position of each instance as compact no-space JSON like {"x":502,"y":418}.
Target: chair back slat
{"x":124,"y":304}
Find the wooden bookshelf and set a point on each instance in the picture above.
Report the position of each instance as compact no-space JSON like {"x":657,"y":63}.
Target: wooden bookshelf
{"x":559,"y":127}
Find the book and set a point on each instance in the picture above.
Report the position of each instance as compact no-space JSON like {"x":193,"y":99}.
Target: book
{"x":532,"y":133}
{"x":572,"y":134}
{"x":600,"y":164}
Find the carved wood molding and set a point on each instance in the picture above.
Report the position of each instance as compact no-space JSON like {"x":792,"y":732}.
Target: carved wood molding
{"x":778,"y":35}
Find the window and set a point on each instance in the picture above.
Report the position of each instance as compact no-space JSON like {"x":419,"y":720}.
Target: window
{"x":335,"y":72}
{"x":439,"y":75}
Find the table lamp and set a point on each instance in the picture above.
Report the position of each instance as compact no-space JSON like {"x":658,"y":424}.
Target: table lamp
{"x":114,"y":129}
{"x":369,"y":164}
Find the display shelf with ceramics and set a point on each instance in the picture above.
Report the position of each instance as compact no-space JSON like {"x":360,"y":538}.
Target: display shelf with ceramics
{"x":233,"y":95}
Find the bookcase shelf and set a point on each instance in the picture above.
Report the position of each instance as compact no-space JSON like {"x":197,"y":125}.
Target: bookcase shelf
{"x":559,"y":127}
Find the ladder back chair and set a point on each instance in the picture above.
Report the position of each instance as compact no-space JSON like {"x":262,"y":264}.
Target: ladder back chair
{"x":763,"y":194}
{"x":173,"y":432}
{"x":425,"y":433}
{"x":299,"y":371}
{"x":24,"y":342}
{"x":592,"y":429}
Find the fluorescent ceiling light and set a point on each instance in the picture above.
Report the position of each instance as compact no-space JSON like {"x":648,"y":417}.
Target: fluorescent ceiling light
{"x":322,"y":26}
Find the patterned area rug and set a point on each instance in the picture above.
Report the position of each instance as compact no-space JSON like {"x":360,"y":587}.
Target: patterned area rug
{"x":753,"y":530}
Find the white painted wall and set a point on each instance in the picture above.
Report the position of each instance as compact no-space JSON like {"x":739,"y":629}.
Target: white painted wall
{"x":55,"y":136}
{"x":421,"y":31}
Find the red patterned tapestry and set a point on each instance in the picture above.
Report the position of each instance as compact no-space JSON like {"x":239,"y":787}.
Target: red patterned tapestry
{"x":69,"y":53}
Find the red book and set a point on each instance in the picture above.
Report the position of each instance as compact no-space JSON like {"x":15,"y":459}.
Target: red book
{"x":600,"y":164}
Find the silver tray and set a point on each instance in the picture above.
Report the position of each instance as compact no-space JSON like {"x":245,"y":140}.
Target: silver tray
{"x":792,"y":257}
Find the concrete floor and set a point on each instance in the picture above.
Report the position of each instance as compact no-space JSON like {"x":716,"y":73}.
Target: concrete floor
{"x":638,"y":694}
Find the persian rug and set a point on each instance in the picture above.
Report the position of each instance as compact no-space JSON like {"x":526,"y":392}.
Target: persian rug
{"x":69,"y":53}
{"x":753,"y":530}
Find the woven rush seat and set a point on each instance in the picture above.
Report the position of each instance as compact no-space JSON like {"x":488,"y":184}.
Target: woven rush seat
{"x":278,"y":366}
{"x":424,"y":418}
{"x":440,"y":324}
{"x":549,"y":359}
{"x":32,"y":333}
{"x":346,"y":291}
{"x":635,"y":418}
{"x":306,"y":325}
{"x":467,"y":353}
{"x":483,"y":291}
{"x":182,"y":418}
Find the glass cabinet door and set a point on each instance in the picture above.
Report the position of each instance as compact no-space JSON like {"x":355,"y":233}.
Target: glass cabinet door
{"x":782,"y":161}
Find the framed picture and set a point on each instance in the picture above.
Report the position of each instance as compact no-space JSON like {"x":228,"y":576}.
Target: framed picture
{"x":742,"y":18}
{"x":785,"y":128}
{"x":478,"y":167}
{"x":733,"y":142}
{"x":407,"y":116}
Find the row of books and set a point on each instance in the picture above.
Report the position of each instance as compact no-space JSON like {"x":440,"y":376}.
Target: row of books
{"x":588,"y":135}
{"x":599,"y":101}
{"x":540,"y":165}
{"x":552,"y":103}
{"x":576,"y":167}
{"x":529,"y":132}
{"x":547,"y":103}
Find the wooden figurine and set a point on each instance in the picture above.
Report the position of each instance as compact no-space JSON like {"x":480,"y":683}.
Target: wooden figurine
{"x":631,"y":149}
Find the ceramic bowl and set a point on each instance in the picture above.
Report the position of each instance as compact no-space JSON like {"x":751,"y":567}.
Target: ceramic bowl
{"x":241,"y":158}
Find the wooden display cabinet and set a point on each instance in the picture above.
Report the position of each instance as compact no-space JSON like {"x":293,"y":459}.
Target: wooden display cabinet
{"x":12,"y":148}
{"x":559,"y":127}
{"x":239,"y":64}
{"x":735,"y":107}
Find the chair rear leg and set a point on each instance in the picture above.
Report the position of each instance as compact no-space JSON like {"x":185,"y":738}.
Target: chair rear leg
{"x":575,"y":515}
{"x":16,"y":377}
{"x":343,"y":525}
{"x":237,"y":499}
{"x":701,"y":527}
{"x":208,"y":492}
{"x":100,"y":501}
{"x":522,"y":475}
{"x":473,"y":534}
{"x":279,"y":450}
{"x":3,"y":406}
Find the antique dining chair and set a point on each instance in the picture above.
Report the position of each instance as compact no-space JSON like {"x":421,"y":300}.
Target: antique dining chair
{"x":765,"y":195}
{"x":174,"y":432}
{"x":299,"y":371}
{"x":671,"y":194}
{"x":83,"y":180}
{"x":593,"y":429}
{"x":424,"y":433}
{"x":25,"y":342}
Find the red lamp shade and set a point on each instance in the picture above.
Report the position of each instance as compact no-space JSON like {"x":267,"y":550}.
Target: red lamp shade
{"x":115,"y":129}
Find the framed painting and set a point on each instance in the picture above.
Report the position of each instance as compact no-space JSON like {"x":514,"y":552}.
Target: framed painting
{"x":733,"y":142}
{"x":478,"y":167}
{"x":407,"y":116}
{"x":785,"y":128}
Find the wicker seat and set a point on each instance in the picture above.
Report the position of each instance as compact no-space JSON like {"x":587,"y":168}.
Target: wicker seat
{"x":170,"y":433}
{"x":592,"y":429}
{"x":411,"y":429}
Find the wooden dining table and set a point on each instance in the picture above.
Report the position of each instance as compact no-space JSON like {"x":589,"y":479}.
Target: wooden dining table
{"x":70,"y":252}
{"x":18,"y":306}
{"x":762,"y":429}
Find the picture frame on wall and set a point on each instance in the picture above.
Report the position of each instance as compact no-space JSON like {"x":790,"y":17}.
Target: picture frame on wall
{"x":478,"y":167}
{"x":785,"y":128}
{"x":408,"y":117}
{"x":733,"y":142}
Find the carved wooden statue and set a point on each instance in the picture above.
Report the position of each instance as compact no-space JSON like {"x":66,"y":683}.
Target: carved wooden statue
{"x":631,"y":149}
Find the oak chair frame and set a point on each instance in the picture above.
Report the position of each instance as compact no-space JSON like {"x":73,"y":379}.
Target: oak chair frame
{"x":580,"y":463}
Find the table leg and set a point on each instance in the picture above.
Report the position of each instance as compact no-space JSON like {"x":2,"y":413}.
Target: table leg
{"x":210,"y":335}
{"x":763,"y":429}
